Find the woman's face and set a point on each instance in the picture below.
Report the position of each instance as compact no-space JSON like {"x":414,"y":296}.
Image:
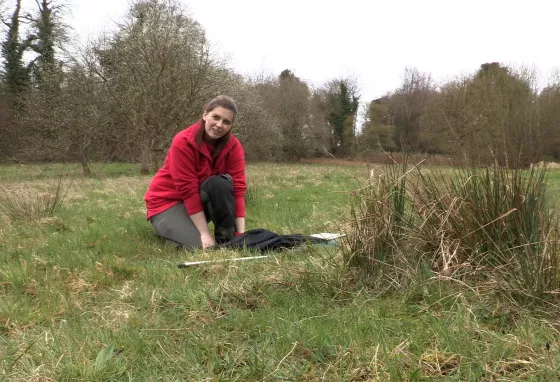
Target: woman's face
{"x":218,"y":122}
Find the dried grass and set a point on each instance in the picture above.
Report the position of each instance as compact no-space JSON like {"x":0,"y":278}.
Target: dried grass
{"x":23,"y":202}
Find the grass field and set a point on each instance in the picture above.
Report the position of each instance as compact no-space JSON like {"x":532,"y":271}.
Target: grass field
{"x":91,"y":294}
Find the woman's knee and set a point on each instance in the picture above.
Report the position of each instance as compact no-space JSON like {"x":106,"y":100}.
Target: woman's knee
{"x":223,"y":182}
{"x":172,"y":226}
{"x":184,"y":238}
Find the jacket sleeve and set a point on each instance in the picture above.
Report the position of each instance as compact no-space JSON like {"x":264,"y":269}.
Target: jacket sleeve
{"x":236,"y":168}
{"x":182,"y":163}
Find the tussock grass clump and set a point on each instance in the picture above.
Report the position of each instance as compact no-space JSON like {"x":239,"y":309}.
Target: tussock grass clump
{"x":492,"y":222}
{"x":380,"y":220}
{"x":24,"y":204}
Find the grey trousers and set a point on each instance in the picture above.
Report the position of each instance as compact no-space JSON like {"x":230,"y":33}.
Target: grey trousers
{"x":176,"y":226}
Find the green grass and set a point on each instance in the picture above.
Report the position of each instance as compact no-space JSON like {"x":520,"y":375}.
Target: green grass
{"x":554,"y":184}
{"x":22,"y":172}
{"x":91,"y":294}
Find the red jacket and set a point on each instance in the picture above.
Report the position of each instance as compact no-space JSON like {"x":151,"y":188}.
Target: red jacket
{"x":187,"y":165}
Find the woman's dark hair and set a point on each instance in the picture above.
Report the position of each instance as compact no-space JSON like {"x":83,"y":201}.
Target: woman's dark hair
{"x":222,"y":101}
{"x":219,"y":101}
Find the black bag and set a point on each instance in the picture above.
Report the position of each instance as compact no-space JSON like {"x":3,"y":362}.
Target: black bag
{"x":265,"y":240}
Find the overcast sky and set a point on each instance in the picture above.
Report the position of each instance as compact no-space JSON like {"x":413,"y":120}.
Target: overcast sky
{"x":372,"y":41}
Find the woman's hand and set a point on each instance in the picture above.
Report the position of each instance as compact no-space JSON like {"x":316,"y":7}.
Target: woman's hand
{"x":207,"y":240}
{"x":199,"y":221}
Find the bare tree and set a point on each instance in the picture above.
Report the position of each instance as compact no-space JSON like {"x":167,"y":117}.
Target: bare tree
{"x":287,"y":100}
{"x":8,"y":137}
{"x":255,"y":126}
{"x":443,"y":124}
{"x":406,"y":106}
{"x":503,"y":115}
{"x":158,"y":71}
{"x":319,"y":122}
{"x":489,"y":116}
{"x":69,"y":123}
{"x":549,"y":118}
{"x":378,"y":131}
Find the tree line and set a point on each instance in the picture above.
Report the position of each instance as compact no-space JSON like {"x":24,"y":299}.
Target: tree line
{"x":124,"y":96}
{"x":496,"y":115}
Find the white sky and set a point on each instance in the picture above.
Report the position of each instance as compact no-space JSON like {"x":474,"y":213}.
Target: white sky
{"x":372,"y":41}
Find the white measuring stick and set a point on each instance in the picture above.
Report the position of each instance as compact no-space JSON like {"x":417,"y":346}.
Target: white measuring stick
{"x":326,"y":236}
{"x":195,"y":263}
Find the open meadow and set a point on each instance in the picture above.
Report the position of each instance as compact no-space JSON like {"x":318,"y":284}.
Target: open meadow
{"x":87,"y":292}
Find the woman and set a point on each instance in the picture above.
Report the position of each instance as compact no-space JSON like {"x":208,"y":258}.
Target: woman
{"x":202,"y":180}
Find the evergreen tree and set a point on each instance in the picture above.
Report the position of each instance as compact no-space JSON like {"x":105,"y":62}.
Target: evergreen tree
{"x":15,"y":75}
{"x":343,"y":104}
{"x":48,"y":32}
